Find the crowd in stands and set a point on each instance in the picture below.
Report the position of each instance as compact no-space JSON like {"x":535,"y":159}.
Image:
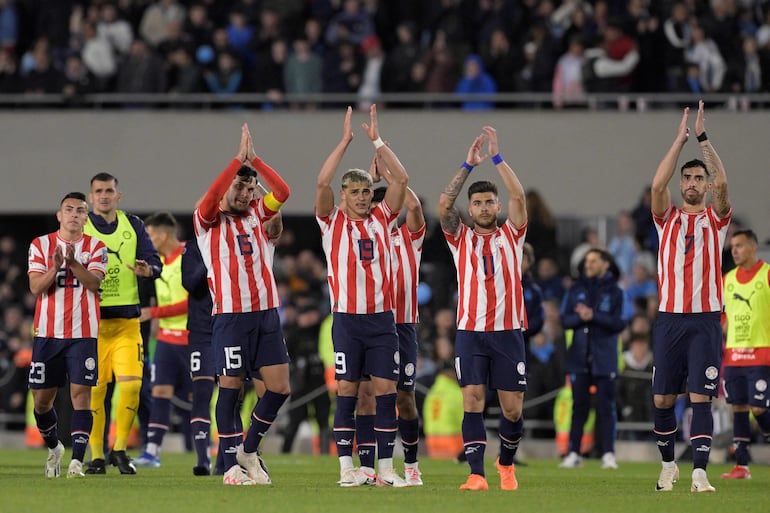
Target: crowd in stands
{"x":366,"y":47}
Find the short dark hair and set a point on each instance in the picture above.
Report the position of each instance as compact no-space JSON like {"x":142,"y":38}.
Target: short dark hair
{"x":695,"y":163}
{"x":482,"y":186}
{"x":73,"y":195}
{"x":749,"y":234}
{"x":247,"y":172}
{"x":161,"y":219}
{"x":103,"y":177}
{"x":379,"y":194}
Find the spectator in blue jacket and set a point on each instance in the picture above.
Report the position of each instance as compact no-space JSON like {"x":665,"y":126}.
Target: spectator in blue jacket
{"x":593,"y":310}
{"x":476,"y":81}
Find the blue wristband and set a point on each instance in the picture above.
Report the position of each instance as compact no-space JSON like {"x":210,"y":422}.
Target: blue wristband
{"x":467,"y":166}
{"x":497,"y":159}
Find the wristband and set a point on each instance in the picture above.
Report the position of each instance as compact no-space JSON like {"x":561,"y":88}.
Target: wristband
{"x":467,"y":166}
{"x":378,"y":143}
{"x":702,"y":137}
{"x":497,"y":159}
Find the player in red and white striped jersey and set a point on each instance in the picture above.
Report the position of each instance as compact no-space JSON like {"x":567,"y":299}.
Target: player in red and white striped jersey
{"x":687,"y":337}
{"x":236,"y":234}
{"x":356,"y":240}
{"x":406,"y":252}
{"x":489,"y":349}
{"x":65,"y":270}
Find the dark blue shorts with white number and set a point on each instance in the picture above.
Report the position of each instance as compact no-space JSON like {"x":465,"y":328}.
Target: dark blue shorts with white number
{"x":493,"y":358}
{"x":747,"y":385}
{"x":407,"y":349}
{"x":244,"y":342}
{"x":55,"y":359}
{"x":688,"y":353}
{"x":171,"y":365}
{"x":365,"y":345}
{"x":201,"y":353}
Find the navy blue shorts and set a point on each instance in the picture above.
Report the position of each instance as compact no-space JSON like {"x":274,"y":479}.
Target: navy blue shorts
{"x":688,"y":353}
{"x":365,"y":345}
{"x":171,"y":365}
{"x":244,"y":342}
{"x":492,"y":358}
{"x":201,"y":355}
{"x":54,"y":359}
{"x":747,"y":385}
{"x":407,"y":349}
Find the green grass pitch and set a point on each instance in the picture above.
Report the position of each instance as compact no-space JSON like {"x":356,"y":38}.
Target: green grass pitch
{"x":308,"y":484}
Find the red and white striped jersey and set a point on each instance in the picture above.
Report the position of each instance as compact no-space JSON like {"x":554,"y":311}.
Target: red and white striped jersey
{"x":406,"y":253}
{"x":358,"y":260}
{"x":490,"y":297}
{"x":67,"y":309}
{"x":690,"y":260}
{"x":239,"y":259}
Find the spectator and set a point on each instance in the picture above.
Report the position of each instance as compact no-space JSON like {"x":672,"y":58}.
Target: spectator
{"x":369,"y":89}
{"x":9,"y":26}
{"x":589,"y":239}
{"x":704,"y":53}
{"x":155,"y":21}
{"x":10,"y":82}
{"x":98,"y":56}
{"x":568,"y":78}
{"x":611,"y":66}
{"x":240,"y":35}
{"x":353,"y":23}
{"x":227,"y":77}
{"x":115,"y":29}
{"x":77,"y":79}
{"x":676,"y":30}
{"x":635,"y":383}
{"x":400,"y":59}
{"x":142,"y":71}
{"x":198,"y":26}
{"x":43,"y":78}
{"x":476,"y":81}
{"x":745,"y":72}
{"x":183,"y":74}
{"x":342,"y":69}
{"x":302,"y":73}
{"x":503,"y":60}
{"x":622,"y":246}
{"x":441,"y":73}
{"x":268,"y":77}
{"x":541,"y":230}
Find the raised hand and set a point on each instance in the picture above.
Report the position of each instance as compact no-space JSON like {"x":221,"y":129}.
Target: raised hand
{"x":492,"y":134}
{"x":699,"y":126}
{"x":683,"y":133}
{"x":69,"y":256}
{"x":250,"y":153}
{"x":243,"y":149}
{"x":347,"y":131}
{"x":372,"y":130}
{"x":474,"y":157}
{"x":374,"y":171}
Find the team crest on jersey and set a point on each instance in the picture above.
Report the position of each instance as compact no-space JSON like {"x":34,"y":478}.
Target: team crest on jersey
{"x":251,"y":221}
{"x":90,"y":363}
{"x":703,"y":223}
{"x":761,"y":385}
{"x":85,"y":257}
{"x":712,"y":373}
{"x":521,"y":368}
{"x":396,"y":240}
{"x":499,"y":242}
{"x":409,"y":369}
{"x":397,"y":358}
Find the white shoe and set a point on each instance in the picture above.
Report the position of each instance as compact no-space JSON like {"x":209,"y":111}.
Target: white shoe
{"x":700,"y":483}
{"x":75,"y":469}
{"x":412,"y":474}
{"x":669,"y":475}
{"x":253,"y":463}
{"x":53,"y":463}
{"x":572,"y":460}
{"x":237,"y":476}
{"x":350,"y":477}
{"x":608,"y":460}
{"x":367,"y":476}
{"x":389,"y":477}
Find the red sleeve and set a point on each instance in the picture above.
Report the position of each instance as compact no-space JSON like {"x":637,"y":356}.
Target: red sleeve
{"x":209,"y":205}
{"x":277,"y":185}
{"x":172,"y":310}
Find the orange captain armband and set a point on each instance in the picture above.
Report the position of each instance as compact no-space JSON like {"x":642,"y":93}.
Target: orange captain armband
{"x":272,"y":203}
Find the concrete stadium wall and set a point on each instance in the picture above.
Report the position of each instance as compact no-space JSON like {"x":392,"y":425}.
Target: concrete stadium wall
{"x":584,"y":163}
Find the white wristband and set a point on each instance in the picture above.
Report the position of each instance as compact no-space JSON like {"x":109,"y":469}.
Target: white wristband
{"x":378,"y":143}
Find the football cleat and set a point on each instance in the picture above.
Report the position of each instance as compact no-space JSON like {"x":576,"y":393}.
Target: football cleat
{"x":700,"y":482}
{"x":475,"y":482}
{"x":572,"y":460}
{"x":201,"y":471}
{"x":412,"y":475}
{"x":507,"y":476}
{"x":608,"y":461}
{"x":75,"y":469}
{"x":367,"y":475}
{"x":738,"y":472}
{"x":389,"y":477}
{"x":350,"y":477}
{"x":53,"y":463}
{"x":121,"y":460}
{"x":238,"y":477}
{"x":147,"y":460}
{"x":97,"y":466}
{"x":254,"y":465}
{"x":669,"y":474}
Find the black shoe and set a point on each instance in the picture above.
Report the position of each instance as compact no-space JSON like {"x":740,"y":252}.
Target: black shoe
{"x":96,"y":467}
{"x":121,"y":460}
{"x":201,"y":471}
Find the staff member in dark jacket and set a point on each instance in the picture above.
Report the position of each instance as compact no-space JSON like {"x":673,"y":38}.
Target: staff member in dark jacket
{"x":593,"y":309}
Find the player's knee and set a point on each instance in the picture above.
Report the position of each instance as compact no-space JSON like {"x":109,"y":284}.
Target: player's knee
{"x":664,"y":401}
{"x":163,"y":391}
{"x":407,"y":409}
{"x":512,"y":413}
{"x":131,"y":387}
{"x":758,"y":410}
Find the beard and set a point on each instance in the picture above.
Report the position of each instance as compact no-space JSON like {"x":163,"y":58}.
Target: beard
{"x":481,"y":223}
{"x":693,"y":200}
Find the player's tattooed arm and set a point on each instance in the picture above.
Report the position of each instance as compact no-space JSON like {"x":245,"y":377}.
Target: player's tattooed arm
{"x":720,"y":200}
{"x":449,"y":215}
